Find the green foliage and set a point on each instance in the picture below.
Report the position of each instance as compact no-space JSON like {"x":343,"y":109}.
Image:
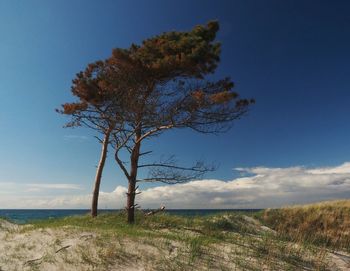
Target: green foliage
{"x":193,"y":53}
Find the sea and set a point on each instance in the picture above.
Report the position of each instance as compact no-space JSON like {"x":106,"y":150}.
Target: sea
{"x":22,"y":216}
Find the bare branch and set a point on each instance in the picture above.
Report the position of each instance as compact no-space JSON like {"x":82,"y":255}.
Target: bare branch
{"x":145,"y":153}
{"x":121,"y":165}
{"x":149,"y":133}
{"x":194,"y":168}
{"x":168,"y":172}
{"x":98,"y":139}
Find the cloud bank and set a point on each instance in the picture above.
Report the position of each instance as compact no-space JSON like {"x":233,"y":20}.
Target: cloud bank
{"x":265,"y":187}
{"x":44,"y":186}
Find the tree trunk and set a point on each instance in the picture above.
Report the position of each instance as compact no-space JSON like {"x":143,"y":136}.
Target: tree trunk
{"x":98,"y":177}
{"x":130,"y":205}
{"x":134,"y":159}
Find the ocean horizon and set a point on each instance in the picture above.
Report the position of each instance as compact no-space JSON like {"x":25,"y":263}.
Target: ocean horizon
{"x":22,"y":216}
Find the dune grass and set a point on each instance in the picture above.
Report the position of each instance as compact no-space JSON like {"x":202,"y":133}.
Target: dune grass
{"x":322,"y":224}
{"x":293,"y":238}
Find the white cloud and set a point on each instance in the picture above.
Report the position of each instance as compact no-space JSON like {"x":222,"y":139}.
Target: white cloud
{"x":59,"y":186}
{"x":114,"y":199}
{"x":5,"y":187}
{"x":342,"y":169}
{"x":6,"y":184}
{"x":265,"y":187}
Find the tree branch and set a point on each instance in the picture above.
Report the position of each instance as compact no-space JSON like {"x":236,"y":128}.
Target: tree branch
{"x":121,"y":165}
{"x":168,"y":172}
{"x":195,"y":168}
{"x":154,"y":131}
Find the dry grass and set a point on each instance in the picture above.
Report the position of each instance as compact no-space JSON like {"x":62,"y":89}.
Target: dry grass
{"x":326,"y":223}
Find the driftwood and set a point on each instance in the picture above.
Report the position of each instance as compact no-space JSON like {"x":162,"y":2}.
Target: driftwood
{"x":161,"y":209}
{"x":62,"y":248}
{"x":39,"y":259}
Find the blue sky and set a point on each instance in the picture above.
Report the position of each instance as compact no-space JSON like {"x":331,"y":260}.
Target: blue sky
{"x":291,"y":56}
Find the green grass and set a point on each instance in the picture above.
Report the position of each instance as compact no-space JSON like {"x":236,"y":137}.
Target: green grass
{"x":211,"y":226}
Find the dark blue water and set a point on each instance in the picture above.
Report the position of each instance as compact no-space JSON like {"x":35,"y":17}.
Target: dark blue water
{"x":23,"y":216}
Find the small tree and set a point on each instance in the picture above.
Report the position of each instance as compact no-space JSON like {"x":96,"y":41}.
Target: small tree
{"x":94,"y":110}
{"x":166,"y":85}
